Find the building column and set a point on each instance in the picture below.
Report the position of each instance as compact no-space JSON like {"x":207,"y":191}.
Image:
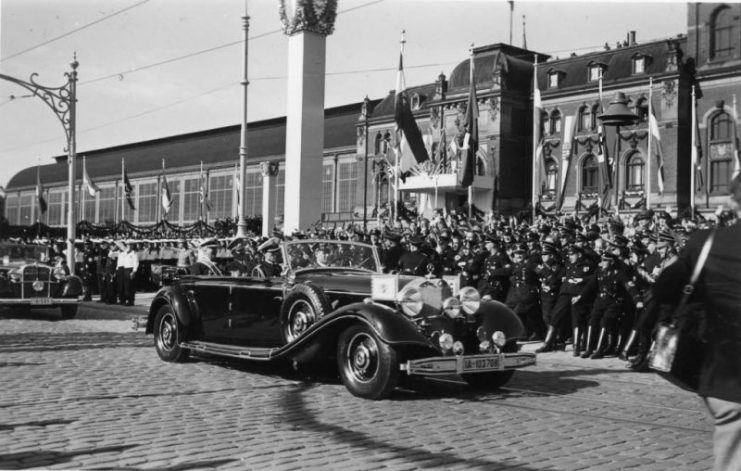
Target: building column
{"x":269,"y":179}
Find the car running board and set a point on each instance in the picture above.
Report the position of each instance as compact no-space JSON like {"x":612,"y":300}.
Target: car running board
{"x":234,"y":351}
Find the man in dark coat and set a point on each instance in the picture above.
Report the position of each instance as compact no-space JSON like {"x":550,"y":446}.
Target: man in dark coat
{"x":719,"y":290}
{"x":414,"y":262}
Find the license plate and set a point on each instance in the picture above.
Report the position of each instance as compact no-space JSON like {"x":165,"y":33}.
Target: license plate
{"x":40,"y":301}
{"x":481,"y":364}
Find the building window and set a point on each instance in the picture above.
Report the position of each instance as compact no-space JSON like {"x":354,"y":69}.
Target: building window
{"x":724,"y":34}
{"x":89,"y":205}
{"x":634,"y":176}
{"x":191,"y":199}
{"x":585,"y":119}
{"x":639,"y":65}
{"x":28,"y":200}
{"x":415,"y":101}
{"x":641,"y":110}
{"x":721,"y":152}
{"x":555,"y":125}
{"x":590,"y":174}
{"x":551,"y":176}
{"x":55,"y":209}
{"x":174,"y":214}
{"x":147,"y":203}
{"x":543,"y":123}
{"x":107,"y":205}
{"x":128,"y":213}
{"x":11,"y":208}
{"x":280,"y":191}
{"x":595,"y":71}
{"x":347,"y":180}
{"x":553,"y":80}
{"x":328,"y":187}
{"x":253,"y":193}
{"x":378,"y":143}
{"x":220,"y":194}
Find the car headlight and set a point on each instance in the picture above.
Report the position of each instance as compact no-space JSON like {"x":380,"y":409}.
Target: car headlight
{"x":499,"y":338}
{"x":15,"y":275}
{"x":410,"y":301}
{"x":484,"y":346}
{"x":446,"y":342}
{"x":470,"y":299}
{"x":452,"y":307}
{"x":59,"y":273}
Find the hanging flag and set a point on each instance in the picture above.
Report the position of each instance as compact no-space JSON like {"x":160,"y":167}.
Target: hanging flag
{"x":128,"y":188}
{"x":569,"y":130}
{"x":442,"y":150}
{"x":602,"y":155}
{"x":653,"y":127}
{"x":92,"y":188}
{"x":737,"y":158}
{"x":539,"y":169}
{"x":470,"y":146}
{"x":406,"y":125}
{"x":40,"y":192}
{"x":203,"y":191}
{"x":237,"y":184}
{"x":696,"y":156}
{"x":166,"y":195}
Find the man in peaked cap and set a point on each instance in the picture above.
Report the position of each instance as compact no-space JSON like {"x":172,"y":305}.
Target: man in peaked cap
{"x":414,"y":262}
{"x":270,"y":266}
{"x":204,"y":264}
{"x":522,"y":297}
{"x":391,"y":252}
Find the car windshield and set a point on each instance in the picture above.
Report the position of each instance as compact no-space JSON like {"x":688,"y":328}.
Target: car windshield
{"x":305,"y":254}
{"x":19,"y":252}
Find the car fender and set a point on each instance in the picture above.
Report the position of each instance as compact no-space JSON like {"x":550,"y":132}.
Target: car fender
{"x":180,"y":302}
{"x":72,"y":286}
{"x":495,"y":316}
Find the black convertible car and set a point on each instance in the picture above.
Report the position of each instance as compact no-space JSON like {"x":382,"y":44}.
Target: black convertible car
{"x":332,"y":304}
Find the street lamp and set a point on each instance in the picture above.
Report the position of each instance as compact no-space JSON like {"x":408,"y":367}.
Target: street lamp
{"x":618,"y":114}
{"x":62,"y":101}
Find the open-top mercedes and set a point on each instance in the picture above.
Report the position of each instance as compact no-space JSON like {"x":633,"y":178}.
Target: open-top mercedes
{"x":332,"y":305}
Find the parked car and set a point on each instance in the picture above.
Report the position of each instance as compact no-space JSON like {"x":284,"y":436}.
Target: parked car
{"x":337,"y":308}
{"x":27,"y":280}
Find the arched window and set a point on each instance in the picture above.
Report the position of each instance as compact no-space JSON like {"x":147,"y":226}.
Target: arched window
{"x":721,"y":152}
{"x":386,"y":143}
{"x":544,"y":123}
{"x":555,"y":127}
{"x":589,"y":174}
{"x":634,"y":176}
{"x":551,"y":176}
{"x":585,"y":118}
{"x":724,"y":34}
{"x":595,"y":112}
{"x":377,"y":144}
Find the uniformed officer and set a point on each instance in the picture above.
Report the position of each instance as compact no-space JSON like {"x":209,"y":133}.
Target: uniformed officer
{"x":445,"y":255}
{"x":414,"y":262}
{"x":239,"y":264}
{"x":550,"y":273}
{"x":270,"y":266}
{"x":495,"y":280}
{"x":522,"y":297}
{"x":392,"y":251}
{"x":88,"y":270}
{"x":204,"y":264}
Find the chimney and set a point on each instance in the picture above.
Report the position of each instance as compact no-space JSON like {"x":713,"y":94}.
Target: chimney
{"x":632,"y":40}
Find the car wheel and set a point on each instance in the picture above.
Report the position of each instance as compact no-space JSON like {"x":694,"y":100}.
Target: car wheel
{"x":69,"y":312}
{"x":303,"y":306}
{"x":489,"y":381}
{"x":369,"y":368}
{"x":167,"y":336}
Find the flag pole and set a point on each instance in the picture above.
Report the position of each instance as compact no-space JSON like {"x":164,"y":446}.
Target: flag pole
{"x":123,"y":190}
{"x":82,"y":195}
{"x":473,"y":86}
{"x":398,"y":136}
{"x":536,"y":129}
{"x":648,"y":150}
{"x":693,"y":153}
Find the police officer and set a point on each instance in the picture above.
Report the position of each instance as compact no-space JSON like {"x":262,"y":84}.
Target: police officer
{"x":204,"y":264}
{"x":414,"y":262}
{"x":445,"y":255}
{"x":270,"y":266}
{"x":495,"y":281}
{"x":550,"y":272}
{"x":523,"y":294}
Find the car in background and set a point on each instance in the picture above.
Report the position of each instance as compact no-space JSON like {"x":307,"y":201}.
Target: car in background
{"x":332,"y":306}
{"x":28,"y":280}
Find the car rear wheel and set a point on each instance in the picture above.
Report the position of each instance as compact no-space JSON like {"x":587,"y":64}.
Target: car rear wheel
{"x":489,"y":381}
{"x":167,"y":336}
{"x":303,"y":306}
{"x":369,"y":368}
{"x":69,"y":312}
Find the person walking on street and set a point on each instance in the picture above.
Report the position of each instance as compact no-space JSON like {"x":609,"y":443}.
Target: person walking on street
{"x":719,"y":290}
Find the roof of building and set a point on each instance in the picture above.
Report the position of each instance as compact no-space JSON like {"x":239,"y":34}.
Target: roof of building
{"x":220,"y":146}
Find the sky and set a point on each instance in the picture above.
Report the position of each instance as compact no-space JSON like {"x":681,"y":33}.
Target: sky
{"x":156,"y":68}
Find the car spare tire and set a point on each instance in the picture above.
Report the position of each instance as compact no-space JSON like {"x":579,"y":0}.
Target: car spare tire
{"x":304,"y":305}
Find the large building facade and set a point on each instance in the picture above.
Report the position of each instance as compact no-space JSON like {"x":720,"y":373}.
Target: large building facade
{"x":359,"y":140}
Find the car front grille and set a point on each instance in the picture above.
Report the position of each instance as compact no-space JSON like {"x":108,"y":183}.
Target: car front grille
{"x":32,"y":273}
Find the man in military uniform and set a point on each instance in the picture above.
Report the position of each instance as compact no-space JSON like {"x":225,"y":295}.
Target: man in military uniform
{"x":445,"y":255}
{"x":523,"y":294}
{"x":87,"y":270}
{"x":550,"y":272}
{"x":270,"y":266}
{"x":471,"y":264}
{"x":495,"y":281}
{"x":392,"y":251}
{"x":414,"y":262}
{"x":239,"y":265}
{"x":102,"y":270}
{"x":204,"y":264}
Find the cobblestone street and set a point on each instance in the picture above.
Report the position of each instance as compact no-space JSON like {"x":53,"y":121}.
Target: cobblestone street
{"x":91,"y":393}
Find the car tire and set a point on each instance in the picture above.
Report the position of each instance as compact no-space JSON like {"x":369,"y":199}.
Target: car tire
{"x":167,"y":336}
{"x":369,"y":368}
{"x":303,"y":306}
{"x":488,"y":381}
{"x":69,"y":312}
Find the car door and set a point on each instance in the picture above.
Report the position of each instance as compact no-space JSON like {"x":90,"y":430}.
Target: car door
{"x":254,"y":310}
{"x":212,"y":296}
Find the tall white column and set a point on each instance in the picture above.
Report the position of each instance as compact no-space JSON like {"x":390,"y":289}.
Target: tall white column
{"x":269,"y":180}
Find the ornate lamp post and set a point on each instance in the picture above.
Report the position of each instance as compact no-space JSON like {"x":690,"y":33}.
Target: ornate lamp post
{"x":62,"y":101}
{"x":618,"y":114}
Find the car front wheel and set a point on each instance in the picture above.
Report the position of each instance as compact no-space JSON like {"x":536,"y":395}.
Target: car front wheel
{"x":167,"y":336}
{"x":489,"y":381}
{"x":369,"y":368}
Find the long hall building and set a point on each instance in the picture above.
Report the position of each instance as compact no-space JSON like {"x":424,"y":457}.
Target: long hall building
{"x":359,"y":140}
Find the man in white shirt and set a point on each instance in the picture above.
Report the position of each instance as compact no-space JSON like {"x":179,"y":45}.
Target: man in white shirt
{"x":127,"y":265}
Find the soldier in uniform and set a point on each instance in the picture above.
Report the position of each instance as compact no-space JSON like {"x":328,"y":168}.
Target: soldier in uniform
{"x":392,"y":252}
{"x":550,"y":273}
{"x":414,"y":262}
{"x":495,"y":281}
{"x":270,"y":266}
{"x":88,"y":270}
{"x":471,"y":264}
{"x":204,"y":264}
{"x":101,"y":269}
{"x":445,"y":255}
{"x":523,"y":294}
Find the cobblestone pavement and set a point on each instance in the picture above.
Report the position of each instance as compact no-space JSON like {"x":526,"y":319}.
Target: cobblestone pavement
{"x":92,"y":394}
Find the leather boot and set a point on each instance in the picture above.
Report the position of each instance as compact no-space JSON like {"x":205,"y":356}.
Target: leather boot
{"x":577,"y":342}
{"x":548,"y":345}
{"x":628,"y":345}
{"x":613,"y":345}
{"x":588,"y":344}
{"x":599,"y":352}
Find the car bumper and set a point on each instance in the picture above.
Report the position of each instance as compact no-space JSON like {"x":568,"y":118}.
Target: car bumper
{"x":468,"y":364}
{"x":37,"y":301}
